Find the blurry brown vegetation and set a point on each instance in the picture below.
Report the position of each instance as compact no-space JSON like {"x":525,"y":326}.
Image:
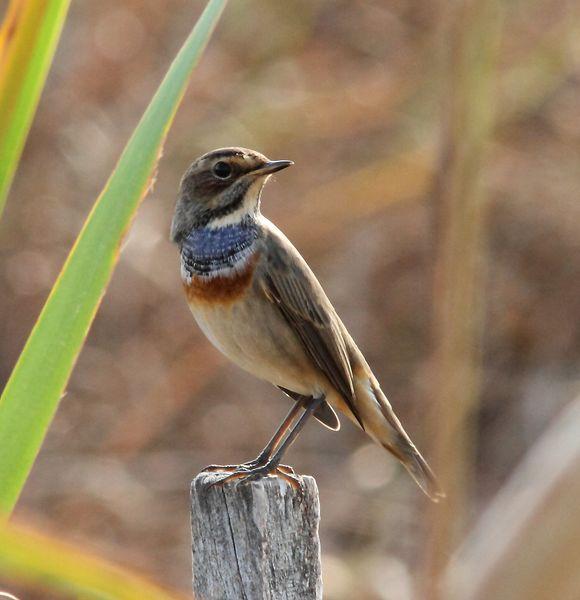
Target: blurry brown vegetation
{"x":358,"y":94}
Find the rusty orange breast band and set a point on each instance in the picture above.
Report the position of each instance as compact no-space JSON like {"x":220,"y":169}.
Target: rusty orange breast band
{"x":221,"y":289}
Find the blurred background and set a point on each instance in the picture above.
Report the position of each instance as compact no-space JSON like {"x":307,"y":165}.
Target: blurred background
{"x":408,"y":121}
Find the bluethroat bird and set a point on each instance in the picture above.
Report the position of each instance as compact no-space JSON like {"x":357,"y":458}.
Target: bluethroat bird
{"x":258,"y":302}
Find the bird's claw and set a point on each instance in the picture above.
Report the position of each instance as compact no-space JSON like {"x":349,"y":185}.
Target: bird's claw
{"x":220,"y":468}
{"x":249,"y":472}
{"x":245,"y":467}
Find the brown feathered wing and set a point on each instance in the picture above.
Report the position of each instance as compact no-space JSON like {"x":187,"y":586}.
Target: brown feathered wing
{"x":292,"y":287}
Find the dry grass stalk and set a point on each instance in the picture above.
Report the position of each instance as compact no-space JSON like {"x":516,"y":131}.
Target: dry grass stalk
{"x":460,"y":267}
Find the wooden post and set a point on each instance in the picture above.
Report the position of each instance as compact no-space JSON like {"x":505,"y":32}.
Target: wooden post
{"x":255,"y":540}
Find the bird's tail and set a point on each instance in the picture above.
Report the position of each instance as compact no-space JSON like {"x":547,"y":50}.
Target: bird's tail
{"x":383,"y":426}
{"x":418,"y":468}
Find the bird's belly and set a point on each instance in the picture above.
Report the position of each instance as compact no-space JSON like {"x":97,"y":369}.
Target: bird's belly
{"x":252,"y":334}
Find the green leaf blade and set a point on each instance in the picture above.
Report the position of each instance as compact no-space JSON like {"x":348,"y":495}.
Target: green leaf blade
{"x":28,"y":41}
{"x":46,"y":562}
{"x":38,"y":380}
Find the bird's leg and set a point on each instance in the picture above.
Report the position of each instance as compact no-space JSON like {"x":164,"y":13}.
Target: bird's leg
{"x":274,"y":459}
{"x":265,"y":454}
{"x":272,"y":465}
{"x":279,"y":434}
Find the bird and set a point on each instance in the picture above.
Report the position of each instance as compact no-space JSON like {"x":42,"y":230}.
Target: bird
{"x":258,"y":302}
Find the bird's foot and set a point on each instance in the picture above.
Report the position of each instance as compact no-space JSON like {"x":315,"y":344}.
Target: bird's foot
{"x":250,"y":471}
{"x":221,"y":468}
{"x":256,"y":463}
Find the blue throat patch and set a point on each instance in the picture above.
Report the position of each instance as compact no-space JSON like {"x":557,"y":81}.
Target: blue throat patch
{"x":206,"y":250}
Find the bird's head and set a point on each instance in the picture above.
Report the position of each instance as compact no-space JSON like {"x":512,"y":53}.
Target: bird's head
{"x":220,"y":188}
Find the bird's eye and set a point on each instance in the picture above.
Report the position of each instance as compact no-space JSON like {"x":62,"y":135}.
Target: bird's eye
{"x":222,"y":170}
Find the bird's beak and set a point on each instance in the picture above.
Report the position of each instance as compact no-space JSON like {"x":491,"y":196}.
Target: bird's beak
{"x":272,"y":166}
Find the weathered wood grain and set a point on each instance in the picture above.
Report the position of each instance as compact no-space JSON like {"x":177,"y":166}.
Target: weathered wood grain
{"x":255,"y":540}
